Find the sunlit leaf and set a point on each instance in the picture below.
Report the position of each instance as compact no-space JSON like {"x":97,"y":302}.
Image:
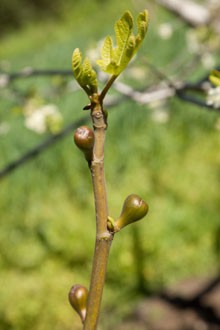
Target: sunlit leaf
{"x":76,"y":63}
{"x":84,"y":73}
{"x":114,"y":60}
{"x":107,"y":49}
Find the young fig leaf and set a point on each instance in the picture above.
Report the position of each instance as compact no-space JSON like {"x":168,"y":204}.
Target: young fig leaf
{"x":84,"y":73}
{"x":134,"y":209}
{"x":114,"y":60}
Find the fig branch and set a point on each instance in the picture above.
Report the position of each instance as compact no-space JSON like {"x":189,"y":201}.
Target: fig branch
{"x":87,"y":303}
{"x":103,"y":236}
{"x":92,"y":144}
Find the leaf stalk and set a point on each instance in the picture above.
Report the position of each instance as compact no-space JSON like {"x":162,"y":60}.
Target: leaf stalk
{"x":107,"y":87}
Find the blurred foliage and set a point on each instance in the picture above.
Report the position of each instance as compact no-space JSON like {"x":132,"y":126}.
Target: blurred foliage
{"x":166,"y":152}
{"x":16,"y":13}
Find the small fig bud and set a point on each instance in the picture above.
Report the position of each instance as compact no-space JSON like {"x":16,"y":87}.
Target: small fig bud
{"x":78,"y":299}
{"x":134,"y":209}
{"x":84,"y":139}
{"x":111,"y":224}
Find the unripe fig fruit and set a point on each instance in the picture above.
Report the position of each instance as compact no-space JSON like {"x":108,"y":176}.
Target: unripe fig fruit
{"x":84,"y":139}
{"x":134,"y":209}
{"x":78,"y":299}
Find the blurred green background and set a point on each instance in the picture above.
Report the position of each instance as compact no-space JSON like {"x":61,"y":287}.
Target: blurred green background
{"x":167,"y":152}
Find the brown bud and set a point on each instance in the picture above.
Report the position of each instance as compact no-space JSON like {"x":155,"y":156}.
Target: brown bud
{"x":84,"y":139}
{"x":134,"y":209}
{"x":78,"y":299}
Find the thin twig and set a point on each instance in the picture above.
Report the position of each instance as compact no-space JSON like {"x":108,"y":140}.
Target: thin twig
{"x":159,"y":92}
{"x":30,"y":72}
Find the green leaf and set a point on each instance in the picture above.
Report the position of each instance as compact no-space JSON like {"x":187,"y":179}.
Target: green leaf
{"x":107,"y":49}
{"x":215,"y":77}
{"x":84,"y":73}
{"x":114,"y":60}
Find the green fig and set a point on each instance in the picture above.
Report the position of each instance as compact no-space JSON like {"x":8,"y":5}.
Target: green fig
{"x":134,"y":209}
{"x":78,"y":299}
{"x":84,"y":139}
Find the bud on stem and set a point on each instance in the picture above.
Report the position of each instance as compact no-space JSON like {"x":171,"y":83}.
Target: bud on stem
{"x":84,"y":139}
{"x":134,"y":209}
{"x":78,"y":299}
